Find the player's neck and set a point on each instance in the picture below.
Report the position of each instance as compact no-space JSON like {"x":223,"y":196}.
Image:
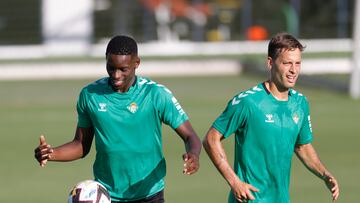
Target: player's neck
{"x":127,"y":87}
{"x":281,"y":94}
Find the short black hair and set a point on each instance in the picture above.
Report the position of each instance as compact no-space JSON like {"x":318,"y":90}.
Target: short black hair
{"x":122,"y":45}
{"x":283,"y":41}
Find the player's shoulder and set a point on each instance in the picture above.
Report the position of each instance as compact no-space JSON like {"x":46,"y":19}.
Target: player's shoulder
{"x":250,"y":95}
{"x":151,"y":85}
{"x":297,"y":96}
{"x":96,"y":86}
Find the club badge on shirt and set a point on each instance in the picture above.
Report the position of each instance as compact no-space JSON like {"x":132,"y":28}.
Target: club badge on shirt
{"x":295,"y":118}
{"x":133,"y":107}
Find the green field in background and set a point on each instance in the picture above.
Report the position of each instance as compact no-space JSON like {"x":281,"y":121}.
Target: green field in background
{"x":253,"y":57}
{"x":29,"y":108}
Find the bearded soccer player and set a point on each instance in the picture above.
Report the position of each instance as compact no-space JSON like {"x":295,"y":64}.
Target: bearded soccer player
{"x":270,"y":121}
{"x":124,"y":113}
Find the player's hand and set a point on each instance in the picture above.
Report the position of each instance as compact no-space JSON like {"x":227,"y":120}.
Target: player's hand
{"x":333,"y":186}
{"x":191,"y":163}
{"x":43,"y":152}
{"x":243,"y":191}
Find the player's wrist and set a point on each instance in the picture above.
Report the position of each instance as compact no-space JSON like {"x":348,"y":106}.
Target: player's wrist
{"x":234,"y":181}
{"x":326,"y":176}
{"x":193,"y":153}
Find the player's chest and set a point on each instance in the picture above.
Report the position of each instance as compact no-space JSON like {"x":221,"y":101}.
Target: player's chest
{"x":279,"y":119}
{"x":134,"y":108}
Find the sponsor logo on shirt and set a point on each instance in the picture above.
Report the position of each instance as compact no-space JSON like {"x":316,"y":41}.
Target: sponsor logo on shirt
{"x":269,"y":118}
{"x":102,"y":107}
{"x":133,"y":107}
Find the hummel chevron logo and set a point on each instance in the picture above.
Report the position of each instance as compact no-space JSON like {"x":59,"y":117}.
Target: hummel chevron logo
{"x":269,"y":118}
{"x":102,"y":107}
{"x":237,"y":99}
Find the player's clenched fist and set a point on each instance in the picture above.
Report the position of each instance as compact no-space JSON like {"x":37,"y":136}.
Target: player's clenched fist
{"x":43,"y":152}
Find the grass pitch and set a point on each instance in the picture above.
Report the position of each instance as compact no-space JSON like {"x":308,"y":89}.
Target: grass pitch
{"x":30,"y":108}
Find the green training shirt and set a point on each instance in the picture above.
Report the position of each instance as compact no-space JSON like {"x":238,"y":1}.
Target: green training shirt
{"x":129,"y":158}
{"x":266,"y":132}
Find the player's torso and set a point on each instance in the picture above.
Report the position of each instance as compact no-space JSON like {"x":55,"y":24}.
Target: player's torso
{"x":265,"y":146}
{"x":128,"y":140}
{"x":275,"y":123}
{"x":128,"y":119}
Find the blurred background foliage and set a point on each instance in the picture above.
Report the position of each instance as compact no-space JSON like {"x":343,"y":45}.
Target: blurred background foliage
{"x":193,"y":20}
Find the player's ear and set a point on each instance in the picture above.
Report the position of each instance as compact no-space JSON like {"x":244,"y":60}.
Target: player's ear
{"x":137,"y":61}
{"x":269,"y":63}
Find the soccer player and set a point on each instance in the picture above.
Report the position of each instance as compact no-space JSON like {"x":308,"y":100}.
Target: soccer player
{"x":124,"y":113}
{"x":270,"y":121}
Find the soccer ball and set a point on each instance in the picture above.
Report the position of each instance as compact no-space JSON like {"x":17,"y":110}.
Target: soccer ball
{"x":89,"y":191}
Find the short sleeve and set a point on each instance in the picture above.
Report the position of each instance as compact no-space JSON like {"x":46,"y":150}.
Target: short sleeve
{"x":305,"y":135}
{"x":84,"y":120}
{"x":233,"y":118}
{"x":168,"y":107}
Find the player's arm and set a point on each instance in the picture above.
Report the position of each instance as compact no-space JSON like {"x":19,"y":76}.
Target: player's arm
{"x":79,"y":147}
{"x":308,"y":156}
{"x":192,"y":146}
{"x":213,"y":147}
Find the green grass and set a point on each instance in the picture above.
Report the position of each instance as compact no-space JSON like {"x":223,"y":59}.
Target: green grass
{"x":29,"y":108}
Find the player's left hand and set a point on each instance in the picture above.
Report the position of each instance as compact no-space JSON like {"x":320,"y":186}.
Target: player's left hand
{"x":191,"y":163}
{"x":333,"y":186}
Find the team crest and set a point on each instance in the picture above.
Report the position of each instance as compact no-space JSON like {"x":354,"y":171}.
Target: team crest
{"x":296,"y":118}
{"x":133,"y":107}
